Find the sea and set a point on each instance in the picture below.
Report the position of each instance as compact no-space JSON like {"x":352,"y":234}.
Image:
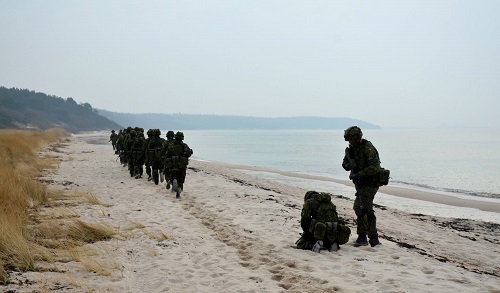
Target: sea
{"x":464,"y":163}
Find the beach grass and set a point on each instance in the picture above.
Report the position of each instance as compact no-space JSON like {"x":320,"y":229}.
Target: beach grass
{"x":26,"y":234}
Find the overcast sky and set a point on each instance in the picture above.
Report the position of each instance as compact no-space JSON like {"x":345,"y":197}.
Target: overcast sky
{"x":392,"y":63}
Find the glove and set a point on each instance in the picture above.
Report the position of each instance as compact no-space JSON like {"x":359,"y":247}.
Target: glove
{"x":353,"y":176}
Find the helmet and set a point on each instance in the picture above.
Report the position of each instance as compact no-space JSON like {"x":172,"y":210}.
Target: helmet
{"x":170,"y":133}
{"x":112,"y":131}
{"x":157,"y":132}
{"x":353,"y":133}
{"x":149,"y":133}
{"x":179,"y":135}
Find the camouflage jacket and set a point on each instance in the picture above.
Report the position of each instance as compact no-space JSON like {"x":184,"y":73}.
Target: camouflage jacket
{"x":153,"y":148}
{"x":177,"y":154}
{"x":366,"y":159}
{"x":113,"y":137}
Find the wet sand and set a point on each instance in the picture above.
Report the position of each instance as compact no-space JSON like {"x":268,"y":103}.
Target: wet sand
{"x":390,"y":190}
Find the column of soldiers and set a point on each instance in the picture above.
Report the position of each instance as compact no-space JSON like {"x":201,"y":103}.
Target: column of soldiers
{"x":164,"y":159}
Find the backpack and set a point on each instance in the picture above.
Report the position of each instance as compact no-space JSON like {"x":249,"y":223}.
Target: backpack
{"x":327,"y":224}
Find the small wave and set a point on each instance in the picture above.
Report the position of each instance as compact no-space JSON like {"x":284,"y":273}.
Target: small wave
{"x":452,"y":190}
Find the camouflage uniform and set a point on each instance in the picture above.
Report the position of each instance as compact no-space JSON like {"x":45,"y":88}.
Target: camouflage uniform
{"x":113,"y":138}
{"x":363,"y":161}
{"x":147,"y":161}
{"x":170,"y":139}
{"x":129,"y":151}
{"x":321,"y":224}
{"x":154,"y":154}
{"x":120,"y":145}
{"x":177,"y":160}
{"x":138,"y":153}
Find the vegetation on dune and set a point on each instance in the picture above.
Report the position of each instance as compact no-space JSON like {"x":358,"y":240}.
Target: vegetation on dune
{"x":27,"y":235}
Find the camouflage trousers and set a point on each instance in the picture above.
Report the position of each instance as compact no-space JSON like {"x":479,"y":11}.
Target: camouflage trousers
{"x":363,"y":207}
{"x":179,"y":174}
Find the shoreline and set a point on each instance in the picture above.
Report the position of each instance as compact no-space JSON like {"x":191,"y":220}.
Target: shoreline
{"x":403,"y":192}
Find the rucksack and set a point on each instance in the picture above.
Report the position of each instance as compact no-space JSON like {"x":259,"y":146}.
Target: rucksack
{"x":327,"y":223}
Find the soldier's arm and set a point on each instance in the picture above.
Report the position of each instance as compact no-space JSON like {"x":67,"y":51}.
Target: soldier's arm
{"x":372,"y":162}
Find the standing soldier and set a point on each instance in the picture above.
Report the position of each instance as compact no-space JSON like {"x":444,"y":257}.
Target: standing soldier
{"x":362,"y":159}
{"x":177,"y":155}
{"x":164,"y":148}
{"x":113,"y":138}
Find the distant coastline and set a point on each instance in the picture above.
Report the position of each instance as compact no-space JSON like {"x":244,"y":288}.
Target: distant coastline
{"x":229,"y":122}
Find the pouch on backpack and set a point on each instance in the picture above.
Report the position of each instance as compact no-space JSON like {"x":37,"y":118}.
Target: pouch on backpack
{"x":312,"y":226}
{"x":343,"y":233}
{"x":320,"y":230}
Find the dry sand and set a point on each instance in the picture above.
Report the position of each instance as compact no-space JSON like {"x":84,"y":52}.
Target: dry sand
{"x":233,"y":232}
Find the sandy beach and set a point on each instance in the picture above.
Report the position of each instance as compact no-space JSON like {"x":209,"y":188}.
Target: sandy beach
{"x":234,"y":232}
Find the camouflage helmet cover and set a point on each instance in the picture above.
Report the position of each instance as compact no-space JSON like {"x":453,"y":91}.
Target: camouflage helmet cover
{"x":170,"y":133}
{"x":353,"y":133}
{"x":179,"y":135}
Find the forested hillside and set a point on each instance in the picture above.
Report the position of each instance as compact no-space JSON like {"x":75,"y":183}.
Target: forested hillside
{"x":22,"y":108}
{"x":190,"y":121}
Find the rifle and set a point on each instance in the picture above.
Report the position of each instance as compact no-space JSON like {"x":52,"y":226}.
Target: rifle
{"x":352,"y":163}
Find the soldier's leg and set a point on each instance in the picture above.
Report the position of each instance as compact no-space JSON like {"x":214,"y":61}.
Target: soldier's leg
{"x":148,"y":169}
{"x":367,"y":194}
{"x":167,"y":177}
{"x":154,"y":166}
{"x":361,"y":220}
{"x":182,"y":178}
{"x":160,"y":171}
{"x":136,"y":168}
{"x":131,"y":166}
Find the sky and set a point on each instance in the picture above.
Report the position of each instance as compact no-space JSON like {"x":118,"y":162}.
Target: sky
{"x":420,"y":64}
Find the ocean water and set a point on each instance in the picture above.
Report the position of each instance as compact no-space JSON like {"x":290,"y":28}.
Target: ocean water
{"x":459,"y":162}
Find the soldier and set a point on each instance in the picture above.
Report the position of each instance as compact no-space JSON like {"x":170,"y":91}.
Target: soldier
{"x":129,"y":152}
{"x":321,"y":226}
{"x":120,"y":146}
{"x":138,"y":152}
{"x":154,"y":154}
{"x":148,"y":158}
{"x":170,"y":139}
{"x":362,"y":159}
{"x":177,"y":160}
{"x":113,"y":138}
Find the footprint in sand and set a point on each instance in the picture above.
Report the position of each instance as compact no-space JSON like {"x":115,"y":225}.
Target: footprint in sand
{"x":427,"y":271}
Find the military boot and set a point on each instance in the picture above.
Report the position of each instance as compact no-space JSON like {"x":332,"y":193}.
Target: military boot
{"x":335,"y":247}
{"x":374,"y":241}
{"x":361,"y":241}
{"x":317,"y":247}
